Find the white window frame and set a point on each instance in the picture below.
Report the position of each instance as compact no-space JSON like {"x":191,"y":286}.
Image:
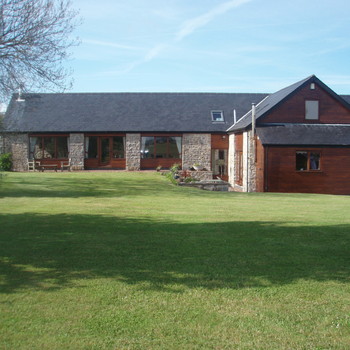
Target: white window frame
{"x":221,"y":114}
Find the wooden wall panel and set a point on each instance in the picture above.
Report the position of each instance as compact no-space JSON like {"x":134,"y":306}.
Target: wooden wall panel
{"x":219,"y":141}
{"x":333,"y":178}
{"x":293,"y":110}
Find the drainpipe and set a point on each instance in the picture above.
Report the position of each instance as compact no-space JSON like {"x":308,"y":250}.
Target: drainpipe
{"x":253,"y":120}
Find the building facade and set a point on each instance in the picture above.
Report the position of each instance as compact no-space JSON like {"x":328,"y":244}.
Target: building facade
{"x":294,"y":140}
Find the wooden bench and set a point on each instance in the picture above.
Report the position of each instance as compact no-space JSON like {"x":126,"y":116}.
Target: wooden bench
{"x":43,"y":167}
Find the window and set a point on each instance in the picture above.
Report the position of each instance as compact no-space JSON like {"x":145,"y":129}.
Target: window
{"x":91,"y":147}
{"x":118,"y":147}
{"x":217,"y":116}
{"x":307,"y":161}
{"x":48,"y":147}
{"x":161,"y":147}
{"x":311,"y":110}
{"x":108,"y":144}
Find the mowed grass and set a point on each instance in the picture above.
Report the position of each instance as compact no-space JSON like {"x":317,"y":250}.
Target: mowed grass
{"x":122,"y":260}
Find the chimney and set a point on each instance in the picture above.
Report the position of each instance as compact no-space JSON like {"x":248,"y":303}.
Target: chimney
{"x":253,"y":119}
{"x":19,"y":99}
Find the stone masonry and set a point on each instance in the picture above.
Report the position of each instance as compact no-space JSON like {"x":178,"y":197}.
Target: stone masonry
{"x":196,"y":148}
{"x":17,"y":145}
{"x":132,"y":152}
{"x":76,"y":151}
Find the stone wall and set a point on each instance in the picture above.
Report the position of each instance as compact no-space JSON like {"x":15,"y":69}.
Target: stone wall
{"x":196,"y":148}
{"x":251,"y":186}
{"x":249,"y":165}
{"x":132,"y":152}
{"x":17,"y":145}
{"x":76,"y":151}
{"x":201,"y":175}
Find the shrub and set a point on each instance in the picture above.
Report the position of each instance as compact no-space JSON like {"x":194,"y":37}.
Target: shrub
{"x":5,"y":162}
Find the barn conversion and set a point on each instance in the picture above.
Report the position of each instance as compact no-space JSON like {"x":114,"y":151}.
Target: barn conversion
{"x":294,"y":140}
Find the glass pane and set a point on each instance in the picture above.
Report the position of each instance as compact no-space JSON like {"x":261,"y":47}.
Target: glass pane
{"x":91,"y":147}
{"x":49,"y":147}
{"x":118,"y":147}
{"x":174,"y":147}
{"x":35,"y":148}
{"x":311,"y":110}
{"x":301,"y":161}
{"x":147,"y":147}
{"x":314,"y":161}
{"x":62,"y":147}
{"x":105,"y":150}
{"x":161,"y":147}
{"x":217,"y":116}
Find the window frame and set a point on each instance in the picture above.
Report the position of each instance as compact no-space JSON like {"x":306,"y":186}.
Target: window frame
{"x":309,"y":170}
{"x":42,"y":144}
{"x":155,"y":146}
{"x":221,"y":120}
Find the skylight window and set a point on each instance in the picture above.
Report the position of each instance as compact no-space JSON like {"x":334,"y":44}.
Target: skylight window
{"x":217,"y":116}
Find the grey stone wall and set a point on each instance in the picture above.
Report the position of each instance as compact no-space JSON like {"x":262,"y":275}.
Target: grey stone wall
{"x":76,"y":151}
{"x":196,"y":148}
{"x":202,"y":175}
{"x":17,"y":145}
{"x":132,"y":152}
{"x":249,"y":165}
{"x":251,"y":186}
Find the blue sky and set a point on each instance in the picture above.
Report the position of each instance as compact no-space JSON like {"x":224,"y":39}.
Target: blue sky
{"x":210,"y":45}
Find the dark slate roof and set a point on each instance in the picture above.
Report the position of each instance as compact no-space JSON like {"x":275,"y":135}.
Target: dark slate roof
{"x":125,"y":112}
{"x":305,"y":134}
{"x":275,"y":99}
{"x":346,"y":98}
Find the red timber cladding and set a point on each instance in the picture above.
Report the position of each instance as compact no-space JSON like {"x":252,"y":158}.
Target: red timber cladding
{"x":260,"y":166}
{"x":333,"y":178}
{"x":219,"y":141}
{"x":293,"y":109}
{"x":239,"y":159}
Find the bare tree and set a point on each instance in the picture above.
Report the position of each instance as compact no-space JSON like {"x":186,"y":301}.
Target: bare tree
{"x":34,"y":42}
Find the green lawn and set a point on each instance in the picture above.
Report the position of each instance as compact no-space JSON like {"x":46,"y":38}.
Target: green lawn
{"x":122,"y":260}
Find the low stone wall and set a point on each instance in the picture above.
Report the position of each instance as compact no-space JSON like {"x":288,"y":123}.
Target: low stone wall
{"x":212,"y":185}
{"x":201,"y":175}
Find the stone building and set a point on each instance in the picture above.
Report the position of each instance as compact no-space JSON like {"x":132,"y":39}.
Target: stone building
{"x":294,"y":140}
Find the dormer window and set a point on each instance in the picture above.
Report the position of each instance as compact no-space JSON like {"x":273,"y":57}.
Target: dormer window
{"x":217,"y":116}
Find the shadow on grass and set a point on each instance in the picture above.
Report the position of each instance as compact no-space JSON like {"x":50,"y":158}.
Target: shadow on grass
{"x":52,"y":251}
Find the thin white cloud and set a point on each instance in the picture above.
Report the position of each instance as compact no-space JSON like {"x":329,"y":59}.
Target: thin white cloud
{"x":195,"y":23}
{"x":187,"y":28}
{"x":154,"y":52}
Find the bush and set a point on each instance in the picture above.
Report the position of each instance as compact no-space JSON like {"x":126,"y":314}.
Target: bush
{"x":5,"y":162}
